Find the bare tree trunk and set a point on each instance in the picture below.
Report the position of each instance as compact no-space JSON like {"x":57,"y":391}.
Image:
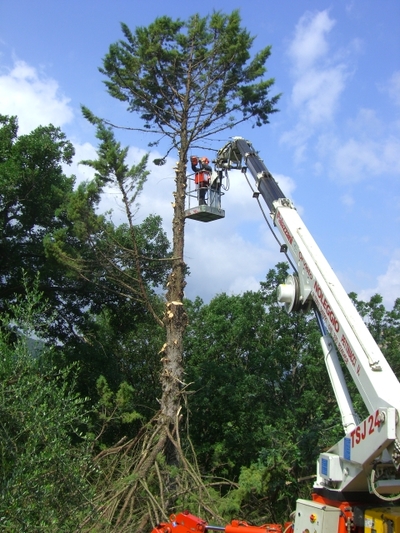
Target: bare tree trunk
{"x":175,"y":320}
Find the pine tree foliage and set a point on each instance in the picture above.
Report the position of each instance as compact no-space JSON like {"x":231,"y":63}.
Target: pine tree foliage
{"x":191,"y":79}
{"x":129,"y":262}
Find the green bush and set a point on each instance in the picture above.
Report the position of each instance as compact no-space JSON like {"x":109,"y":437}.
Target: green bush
{"x":45,"y":462}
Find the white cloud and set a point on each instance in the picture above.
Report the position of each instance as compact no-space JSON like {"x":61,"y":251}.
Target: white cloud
{"x":316,"y":94}
{"x":388,"y":284}
{"x":242,"y":284}
{"x":297,"y":138}
{"x":318,"y":79}
{"x":286,"y":184}
{"x":371,"y":149}
{"x":222,"y":260}
{"x":358,"y":159}
{"x":309,"y":43}
{"x":367,"y":124}
{"x":33,"y":97}
{"x":82,"y":152}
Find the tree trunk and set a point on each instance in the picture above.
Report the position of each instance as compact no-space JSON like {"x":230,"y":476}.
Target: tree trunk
{"x":175,"y":320}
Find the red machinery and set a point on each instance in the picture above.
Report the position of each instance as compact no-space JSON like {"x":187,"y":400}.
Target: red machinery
{"x":188,"y":523}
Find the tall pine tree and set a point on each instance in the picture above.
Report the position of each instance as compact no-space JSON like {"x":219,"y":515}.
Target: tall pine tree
{"x":187,"y":81}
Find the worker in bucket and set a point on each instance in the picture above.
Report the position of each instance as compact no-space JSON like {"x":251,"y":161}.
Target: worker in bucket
{"x":201,"y":168}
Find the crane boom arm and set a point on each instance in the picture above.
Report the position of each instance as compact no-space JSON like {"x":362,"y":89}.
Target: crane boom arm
{"x":316,"y":283}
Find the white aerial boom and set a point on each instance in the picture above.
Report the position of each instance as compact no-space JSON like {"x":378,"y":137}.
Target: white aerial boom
{"x":368,"y":457}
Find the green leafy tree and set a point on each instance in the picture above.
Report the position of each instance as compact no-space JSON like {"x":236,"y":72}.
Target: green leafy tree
{"x":40,"y":210}
{"x":34,"y":195}
{"x":384,"y":326}
{"x":190,"y":79}
{"x":52,"y":230}
{"x":373,"y":314}
{"x":45,"y":459}
{"x":391,"y":337}
{"x":32,"y":189}
{"x":262,"y":407}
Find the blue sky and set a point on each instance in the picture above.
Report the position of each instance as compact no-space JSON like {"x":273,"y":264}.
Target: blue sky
{"x":333,"y":147}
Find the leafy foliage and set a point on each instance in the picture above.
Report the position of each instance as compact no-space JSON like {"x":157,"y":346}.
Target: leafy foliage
{"x":32,"y":189}
{"x":248,"y":361}
{"x":86,"y":265}
{"x":45,"y":460}
{"x":124,"y":267}
{"x":113,"y":412}
{"x":261,"y":407}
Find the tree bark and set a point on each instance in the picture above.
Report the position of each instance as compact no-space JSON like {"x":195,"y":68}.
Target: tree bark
{"x":175,"y":319}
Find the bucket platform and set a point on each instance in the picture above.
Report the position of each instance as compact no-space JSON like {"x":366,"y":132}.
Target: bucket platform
{"x":210,"y":210}
{"x":204,"y":213}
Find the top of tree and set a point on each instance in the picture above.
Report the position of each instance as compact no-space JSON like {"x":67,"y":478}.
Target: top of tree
{"x":190,"y":79}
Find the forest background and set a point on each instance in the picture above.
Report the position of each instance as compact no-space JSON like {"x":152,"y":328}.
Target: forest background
{"x":81,"y":359}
